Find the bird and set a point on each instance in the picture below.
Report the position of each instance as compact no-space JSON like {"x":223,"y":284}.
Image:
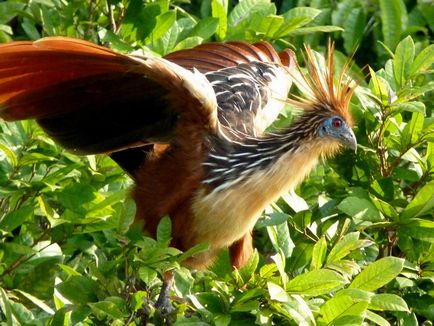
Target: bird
{"x":190,"y":128}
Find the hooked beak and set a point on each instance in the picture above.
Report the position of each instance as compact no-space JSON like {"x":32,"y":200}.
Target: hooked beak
{"x":348,"y":139}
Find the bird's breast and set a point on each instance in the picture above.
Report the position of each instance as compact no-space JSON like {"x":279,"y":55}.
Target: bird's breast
{"x":222,"y":217}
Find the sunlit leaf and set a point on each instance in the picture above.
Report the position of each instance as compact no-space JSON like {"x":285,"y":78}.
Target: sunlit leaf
{"x":423,"y":61}
{"x":421,"y":204}
{"x":316,"y":282}
{"x":378,"y":274}
{"x":388,"y":301}
{"x":403,"y":60}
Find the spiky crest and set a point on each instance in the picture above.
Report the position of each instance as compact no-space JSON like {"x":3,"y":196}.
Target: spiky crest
{"x":320,"y":92}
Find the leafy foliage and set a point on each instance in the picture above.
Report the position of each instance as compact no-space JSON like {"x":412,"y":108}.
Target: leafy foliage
{"x":356,"y":245}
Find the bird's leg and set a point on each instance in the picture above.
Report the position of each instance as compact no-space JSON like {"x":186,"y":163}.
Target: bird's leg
{"x":163,"y":305}
{"x":241,"y":250}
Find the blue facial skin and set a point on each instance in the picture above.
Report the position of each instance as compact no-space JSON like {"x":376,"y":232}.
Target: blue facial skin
{"x":337,"y":128}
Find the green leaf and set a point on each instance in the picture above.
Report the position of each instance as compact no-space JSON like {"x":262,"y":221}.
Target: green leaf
{"x":402,"y":62}
{"x":243,"y":10}
{"x":249,"y":295}
{"x":347,"y":268}
{"x":193,"y":251}
{"x":316,"y":282}
{"x":245,"y":307}
{"x":269,"y":25}
{"x":340,"y":307}
{"x":188,"y":43}
{"x":32,"y":158}
{"x":147,"y":275}
{"x":377,"y":319}
{"x":219,"y":10}
{"x":343,"y":10}
{"x":422,"y":305}
{"x":212,"y":301}
{"x":419,"y":229}
{"x":74,"y":196}
{"x":385,"y":208}
{"x":79,"y":289}
{"x":351,"y":319}
{"x":248,"y":270}
{"x":281,"y":238}
{"x":30,"y":29}
{"x":412,"y":106}
{"x":345,"y":246}
{"x":277,"y":293}
{"x":127,"y":215}
{"x":9,"y":154}
{"x":10,"y":9}
{"x":360,"y":208}
{"x":422,"y":203}
{"x":279,"y":260}
{"x":293,"y":311}
{"x":423,"y":62}
{"x":296,"y":18}
{"x":41,"y":304}
{"x":109,"y":308}
{"x":164,"y":231}
{"x":139,"y":20}
{"x":388,"y":301}
{"x":305,"y":12}
{"x":412,"y":130}
{"x":6,"y":308}
{"x":390,"y":13}
{"x":356,"y":294}
{"x":163,"y":24}
{"x":205,"y":28}
{"x":275,"y":218}
{"x":379,"y":86}
{"x":15,"y":218}
{"x":315,"y":29}
{"x":116,"y":42}
{"x":354,"y":26}
{"x":378,"y":274}
{"x":222,"y":319}
{"x":319,"y":253}
{"x":69,"y":270}
{"x":167,"y":42}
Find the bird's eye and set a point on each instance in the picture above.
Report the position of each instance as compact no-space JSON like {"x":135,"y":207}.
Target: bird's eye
{"x":337,"y":123}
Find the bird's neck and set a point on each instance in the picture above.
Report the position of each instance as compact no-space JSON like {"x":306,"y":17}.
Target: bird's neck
{"x":230,"y":162}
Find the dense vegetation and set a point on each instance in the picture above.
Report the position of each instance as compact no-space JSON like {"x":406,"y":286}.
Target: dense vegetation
{"x":353,"y":246}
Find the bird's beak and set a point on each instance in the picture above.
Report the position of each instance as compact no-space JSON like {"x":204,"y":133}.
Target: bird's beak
{"x":348,"y":139}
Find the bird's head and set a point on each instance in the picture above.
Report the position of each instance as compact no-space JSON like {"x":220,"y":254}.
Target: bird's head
{"x":325,"y":99}
{"x":338,"y":129}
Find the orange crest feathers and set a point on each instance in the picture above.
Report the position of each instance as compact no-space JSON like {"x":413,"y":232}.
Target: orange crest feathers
{"x":318,"y":85}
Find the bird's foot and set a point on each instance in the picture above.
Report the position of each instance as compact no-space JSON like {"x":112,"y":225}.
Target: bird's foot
{"x":163,"y":306}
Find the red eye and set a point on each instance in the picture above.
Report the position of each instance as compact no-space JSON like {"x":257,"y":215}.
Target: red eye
{"x":337,"y":123}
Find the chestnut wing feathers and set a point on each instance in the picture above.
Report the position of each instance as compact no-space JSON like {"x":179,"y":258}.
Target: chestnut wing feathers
{"x":93,"y":100}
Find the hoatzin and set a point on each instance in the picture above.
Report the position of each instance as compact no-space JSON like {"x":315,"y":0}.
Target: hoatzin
{"x":188,"y":128}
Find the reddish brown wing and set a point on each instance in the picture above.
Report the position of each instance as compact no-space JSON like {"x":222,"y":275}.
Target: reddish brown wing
{"x":214,"y":56}
{"x":89,"y":98}
{"x":27,"y":67}
{"x":92,"y":100}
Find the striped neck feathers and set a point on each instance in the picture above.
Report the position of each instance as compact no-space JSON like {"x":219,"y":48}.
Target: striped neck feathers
{"x":235,"y":160}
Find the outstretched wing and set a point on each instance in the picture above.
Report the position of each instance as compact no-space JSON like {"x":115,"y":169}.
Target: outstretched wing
{"x":217,"y":55}
{"x":92,"y":100}
{"x":251,"y":81}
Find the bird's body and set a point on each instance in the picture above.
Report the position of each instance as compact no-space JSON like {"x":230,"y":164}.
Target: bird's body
{"x":194,"y":142}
